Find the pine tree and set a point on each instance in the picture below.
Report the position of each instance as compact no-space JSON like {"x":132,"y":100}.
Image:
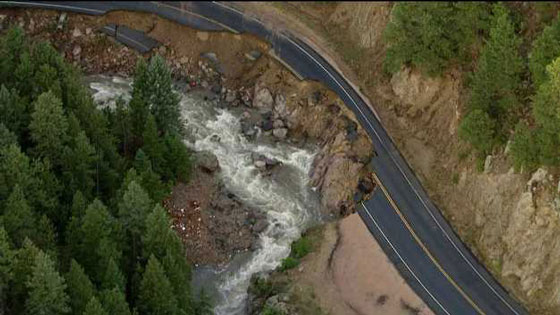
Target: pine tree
{"x":6,"y":269}
{"x":22,"y":269}
{"x":479,"y":129}
{"x":99,"y":241}
{"x":156,"y":294}
{"x":12,"y":45}
{"x":154,"y":86}
{"x":7,"y":137}
{"x":546,"y":47}
{"x":178,"y":162}
{"x":153,"y":146}
{"x":46,"y":287}
{"x":45,"y":236}
{"x":15,"y":169}
{"x":94,"y":308}
{"x":546,"y":110}
{"x":113,"y":277}
{"x":134,"y":208}
{"x":14,"y":112}
{"x":164,"y":244}
{"x":495,"y":85}
{"x":79,"y":166}
{"x":80,"y":288}
{"x":204,"y":304}
{"x":148,"y":177}
{"x":49,"y":127}
{"x":114,"y":302}
{"x":497,"y":78}
{"x":19,"y":219}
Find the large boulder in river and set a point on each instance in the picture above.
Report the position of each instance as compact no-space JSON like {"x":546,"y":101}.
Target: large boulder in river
{"x":207,"y":161}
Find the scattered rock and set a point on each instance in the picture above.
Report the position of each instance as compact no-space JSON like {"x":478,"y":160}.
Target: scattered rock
{"x":77,"y":50}
{"x":488,"y":164}
{"x":216,"y":88}
{"x":267,"y":125}
{"x":248,"y":130}
{"x":230,"y":96}
{"x":184,"y":60}
{"x":263,"y":98}
{"x":260,"y":226}
{"x":278,"y":123}
{"x":210,"y":56}
{"x":61,"y":21}
{"x":280,"y":107}
{"x":88,"y":31}
{"x":207,"y":161}
{"x":538,"y":177}
{"x":260,"y":164}
{"x":280,"y":133}
{"x":203,"y":36}
{"x":253,"y":55}
{"x":76,"y":32}
{"x":162,"y":50}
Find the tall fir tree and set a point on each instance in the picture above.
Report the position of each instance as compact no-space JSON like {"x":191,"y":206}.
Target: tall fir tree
{"x":546,"y":47}
{"x":49,"y":127}
{"x":156,"y":294}
{"x":154,"y":86}
{"x":22,"y":269}
{"x":114,"y":302}
{"x":18,"y":217}
{"x":94,"y":307}
{"x":80,"y":288}
{"x":46,"y":287}
{"x":7,"y":256}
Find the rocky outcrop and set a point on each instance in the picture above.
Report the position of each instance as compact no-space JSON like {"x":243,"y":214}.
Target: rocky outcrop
{"x":434,"y":100}
{"x":332,"y":172}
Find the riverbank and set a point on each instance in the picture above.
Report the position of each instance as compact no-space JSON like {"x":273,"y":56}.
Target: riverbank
{"x":346,"y":273}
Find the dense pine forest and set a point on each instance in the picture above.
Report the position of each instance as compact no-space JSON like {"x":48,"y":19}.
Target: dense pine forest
{"x":82,"y":227}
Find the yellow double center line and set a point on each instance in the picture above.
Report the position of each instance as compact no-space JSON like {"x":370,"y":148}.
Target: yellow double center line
{"x":424,"y":248}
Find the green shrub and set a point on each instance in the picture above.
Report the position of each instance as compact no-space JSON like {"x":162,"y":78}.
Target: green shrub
{"x":262,"y":287}
{"x":301,"y":247}
{"x":270,"y":310}
{"x":289,"y":263}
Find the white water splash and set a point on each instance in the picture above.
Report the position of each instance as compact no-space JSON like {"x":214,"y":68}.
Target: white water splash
{"x":287,"y":200}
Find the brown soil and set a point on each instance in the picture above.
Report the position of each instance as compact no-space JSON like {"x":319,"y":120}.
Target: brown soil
{"x":350,"y":274}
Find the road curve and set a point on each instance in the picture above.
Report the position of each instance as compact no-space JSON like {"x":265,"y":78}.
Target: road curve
{"x":400,"y":215}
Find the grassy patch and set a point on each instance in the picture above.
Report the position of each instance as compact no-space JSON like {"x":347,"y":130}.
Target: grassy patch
{"x":289,"y":263}
{"x":455,"y":178}
{"x":269,"y":310}
{"x":301,"y":247}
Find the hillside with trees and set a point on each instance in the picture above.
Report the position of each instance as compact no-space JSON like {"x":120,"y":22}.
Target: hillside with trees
{"x":82,"y":229}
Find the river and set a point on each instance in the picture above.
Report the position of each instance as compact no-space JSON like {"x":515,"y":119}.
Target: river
{"x":289,"y":202}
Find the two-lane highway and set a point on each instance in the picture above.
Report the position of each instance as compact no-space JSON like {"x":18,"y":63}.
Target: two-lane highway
{"x":400,"y":215}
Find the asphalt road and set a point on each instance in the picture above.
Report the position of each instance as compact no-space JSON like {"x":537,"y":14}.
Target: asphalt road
{"x":400,"y":215}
